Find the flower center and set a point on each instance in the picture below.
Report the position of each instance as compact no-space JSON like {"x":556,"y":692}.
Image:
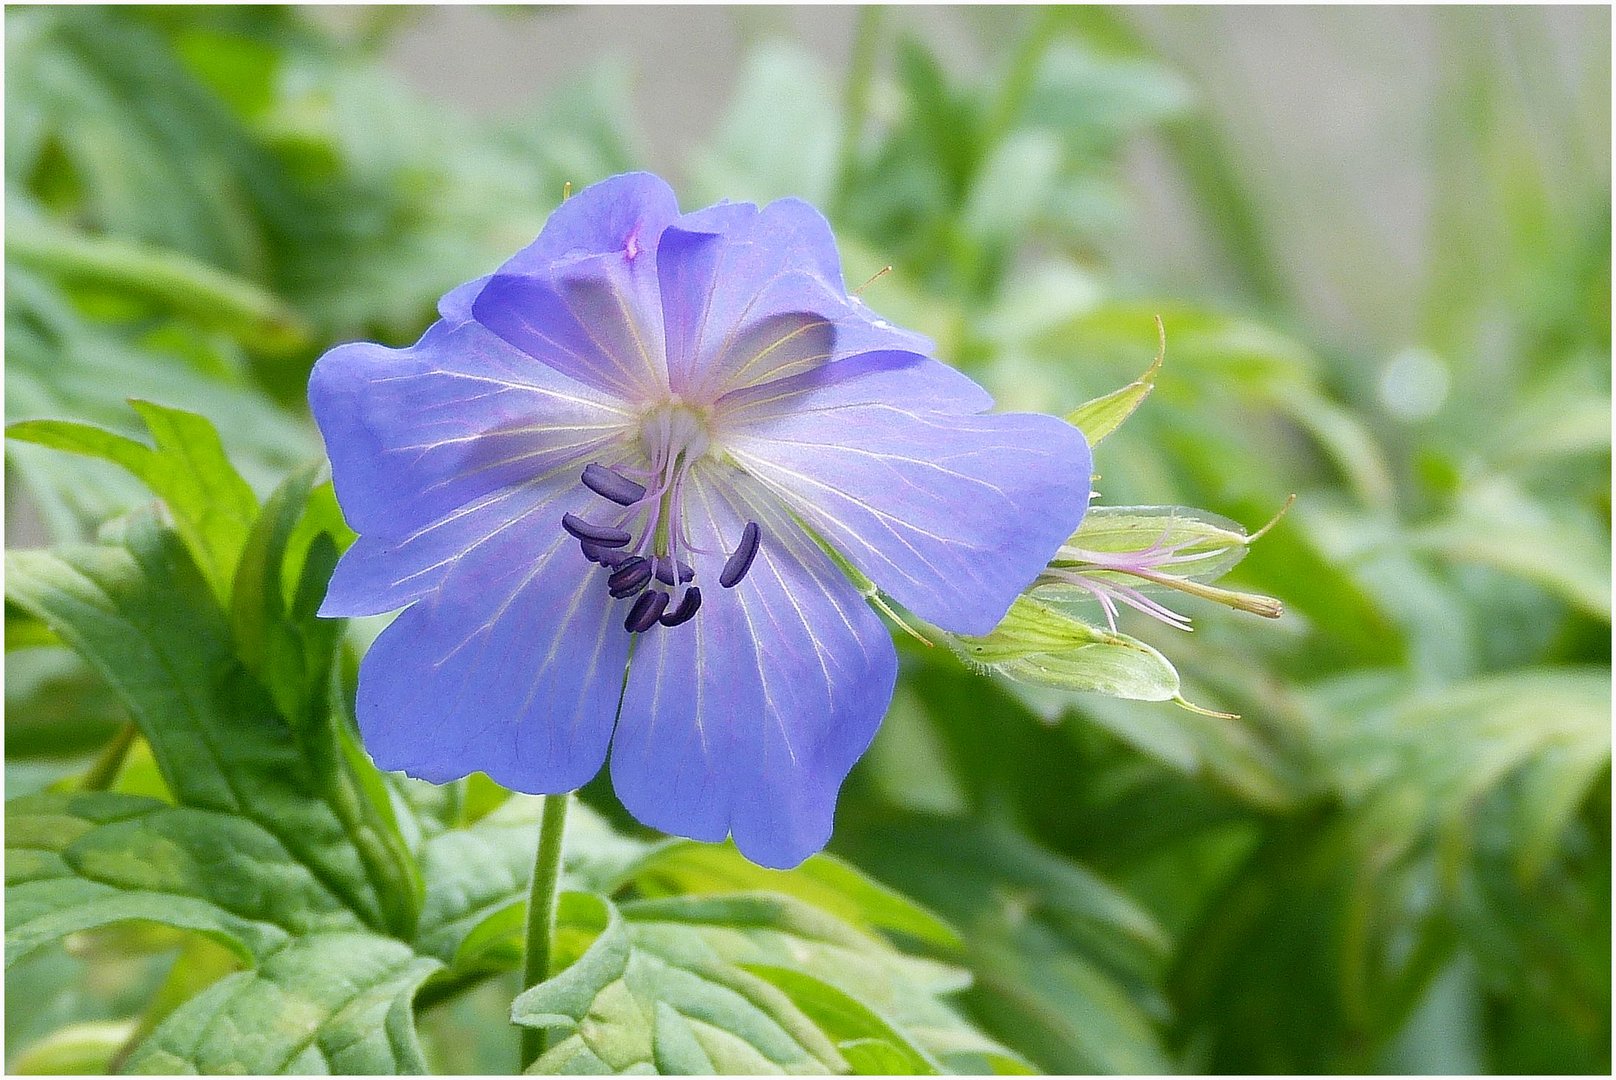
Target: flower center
{"x":674,"y":429}
{"x":644,"y":549}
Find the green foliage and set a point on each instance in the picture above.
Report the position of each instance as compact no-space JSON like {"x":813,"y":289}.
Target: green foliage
{"x":685,"y":866}
{"x":212,"y":505}
{"x":326,"y":1003}
{"x":741,"y":983}
{"x":80,"y":861}
{"x":1388,"y":848}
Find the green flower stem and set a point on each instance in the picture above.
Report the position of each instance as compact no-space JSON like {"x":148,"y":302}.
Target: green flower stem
{"x":541,"y":911}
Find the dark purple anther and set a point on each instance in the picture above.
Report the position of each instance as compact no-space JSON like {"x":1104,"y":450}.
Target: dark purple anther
{"x":629,"y":578}
{"x":614,"y":486}
{"x":685,"y":611}
{"x":741,"y":561}
{"x":664,"y":570}
{"x":603,"y":535}
{"x":645,"y":612}
{"x":605,"y":556}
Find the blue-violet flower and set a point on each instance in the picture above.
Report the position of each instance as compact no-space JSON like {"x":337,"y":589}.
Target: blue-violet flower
{"x":630,"y":450}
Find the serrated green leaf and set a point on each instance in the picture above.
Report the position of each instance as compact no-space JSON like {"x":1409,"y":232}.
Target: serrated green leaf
{"x":868,"y":1042}
{"x":201,"y":963}
{"x":643,"y":1003}
{"x":143,"y":617}
{"x":694,"y":956}
{"x":268,"y":642}
{"x":292,"y":650}
{"x":327,"y":1003}
{"x":212,"y":506}
{"x":321,"y":516}
{"x":75,"y":862}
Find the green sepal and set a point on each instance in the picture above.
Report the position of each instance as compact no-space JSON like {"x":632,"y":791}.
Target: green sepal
{"x":1101,"y":416}
{"x":1035,"y":643}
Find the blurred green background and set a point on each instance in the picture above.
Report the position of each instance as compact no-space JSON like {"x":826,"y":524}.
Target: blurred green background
{"x":1380,"y":243}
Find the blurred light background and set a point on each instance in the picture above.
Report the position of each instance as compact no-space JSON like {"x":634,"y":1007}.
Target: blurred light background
{"x":1334,"y":117}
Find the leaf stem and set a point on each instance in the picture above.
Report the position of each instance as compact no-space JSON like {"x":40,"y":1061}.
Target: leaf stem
{"x":541,"y":910}
{"x":109,"y":763}
{"x":187,"y":285}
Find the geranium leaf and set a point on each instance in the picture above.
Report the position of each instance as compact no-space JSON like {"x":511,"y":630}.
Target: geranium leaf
{"x":685,"y":867}
{"x":78,"y":861}
{"x":867,"y":1041}
{"x":141,"y":614}
{"x":478,"y":880}
{"x":270,"y":643}
{"x":638,"y":1001}
{"x":696,"y":984}
{"x":327,"y":1003}
{"x":212,"y":506}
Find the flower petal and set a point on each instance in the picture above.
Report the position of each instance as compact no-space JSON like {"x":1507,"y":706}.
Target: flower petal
{"x":377,"y":574}
{"x":952,"y":514}
{"x":583,"y":297}
{"x":866,"y":379}
{"x":751,"y":295}
{"x":514,"y":667}
{"x":414,"y":433}
{"x":747,"y":719}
